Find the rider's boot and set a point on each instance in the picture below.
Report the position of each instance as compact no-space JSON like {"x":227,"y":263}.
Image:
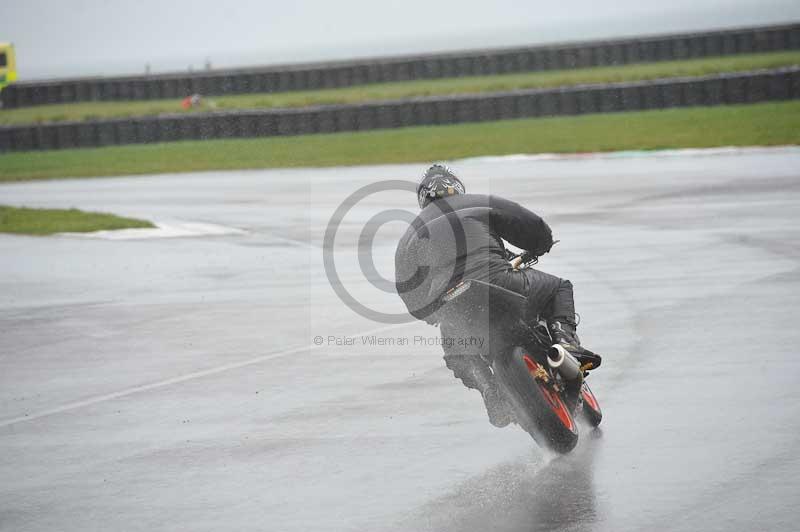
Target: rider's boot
{"x":498,"y":409}
{"x":563,"y":333}
{"x":474,"y":373}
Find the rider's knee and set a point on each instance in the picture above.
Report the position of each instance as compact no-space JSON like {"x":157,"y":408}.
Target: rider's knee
{"x":457,"y":363}
{"x":462,"y":368}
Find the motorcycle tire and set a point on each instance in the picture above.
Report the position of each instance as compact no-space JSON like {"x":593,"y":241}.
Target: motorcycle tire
{"x":541,"y":411}
{"x":591,"y":408}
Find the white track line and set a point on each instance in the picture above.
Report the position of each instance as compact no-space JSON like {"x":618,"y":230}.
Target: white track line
{"x":182,"y":378}
{"x":169,"y":229}
{"x":624,"y":154}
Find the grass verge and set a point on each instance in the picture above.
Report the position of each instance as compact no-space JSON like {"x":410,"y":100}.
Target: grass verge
{"x":27,"y":221}
{"x":762,"y":124}
{"x":409,"y":89}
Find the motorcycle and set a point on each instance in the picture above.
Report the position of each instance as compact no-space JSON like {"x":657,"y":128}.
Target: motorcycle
{"x":543,"y":383}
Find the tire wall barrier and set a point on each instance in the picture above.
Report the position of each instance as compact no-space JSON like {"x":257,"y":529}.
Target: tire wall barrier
{"x":760,"y":86}
{"x":359,"y":72}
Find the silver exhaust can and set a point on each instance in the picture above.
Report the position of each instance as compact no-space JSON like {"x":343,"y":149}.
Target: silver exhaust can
{"x":564,"y":363}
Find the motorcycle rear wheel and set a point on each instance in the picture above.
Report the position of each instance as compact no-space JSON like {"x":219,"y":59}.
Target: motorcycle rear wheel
{"x":541,"y":411}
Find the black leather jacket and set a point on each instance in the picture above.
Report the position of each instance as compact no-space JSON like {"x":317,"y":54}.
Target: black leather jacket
{"x":460,"y":237}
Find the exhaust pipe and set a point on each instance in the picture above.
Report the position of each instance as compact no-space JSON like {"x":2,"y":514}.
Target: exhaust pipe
{"x":564,"y":363}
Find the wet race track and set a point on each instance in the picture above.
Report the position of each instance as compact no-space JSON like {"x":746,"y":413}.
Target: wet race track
{"x":175,"y":384}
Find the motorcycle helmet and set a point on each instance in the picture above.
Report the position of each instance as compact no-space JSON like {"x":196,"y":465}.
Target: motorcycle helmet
{"x":438,"y":181}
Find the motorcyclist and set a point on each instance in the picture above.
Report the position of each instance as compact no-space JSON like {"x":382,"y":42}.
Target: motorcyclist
{"x":460,"y":236}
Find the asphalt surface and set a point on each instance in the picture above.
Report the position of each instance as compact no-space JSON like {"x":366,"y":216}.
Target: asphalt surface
{"x":174,"y":383}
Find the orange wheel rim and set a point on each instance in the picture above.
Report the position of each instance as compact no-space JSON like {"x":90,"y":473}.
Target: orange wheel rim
{"x":553,"y":399}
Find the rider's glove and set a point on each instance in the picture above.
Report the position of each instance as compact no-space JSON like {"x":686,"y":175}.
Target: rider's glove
{"x":544,"y":249}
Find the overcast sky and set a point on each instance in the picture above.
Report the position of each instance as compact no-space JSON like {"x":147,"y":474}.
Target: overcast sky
{"x":89,"y":37}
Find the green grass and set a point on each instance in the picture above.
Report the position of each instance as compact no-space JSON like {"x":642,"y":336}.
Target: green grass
{"x":388,"y":91}
{"x":27,"y":221}
{"x":737,"y":125}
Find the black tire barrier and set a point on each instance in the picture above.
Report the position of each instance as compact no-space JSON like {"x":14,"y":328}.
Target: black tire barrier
{"x":741,"y":88}
{"x":358,"y":72}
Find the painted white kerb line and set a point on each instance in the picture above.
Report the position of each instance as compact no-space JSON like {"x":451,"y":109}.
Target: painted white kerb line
{"x":182,"y":378}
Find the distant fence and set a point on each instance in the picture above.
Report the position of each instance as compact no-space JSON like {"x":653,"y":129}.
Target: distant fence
{"x":358,"y":72}
{"x":782,"y":84}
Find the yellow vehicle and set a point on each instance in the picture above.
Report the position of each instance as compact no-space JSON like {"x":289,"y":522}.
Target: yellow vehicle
{"x":8,"y":65}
